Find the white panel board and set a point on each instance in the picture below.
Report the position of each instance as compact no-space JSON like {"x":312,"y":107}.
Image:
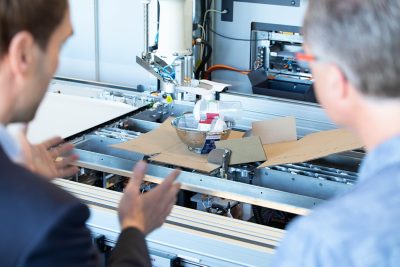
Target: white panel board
{"x":66,"y":115}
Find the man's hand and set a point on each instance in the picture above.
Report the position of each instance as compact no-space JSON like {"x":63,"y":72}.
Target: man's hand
{"x":46,"y":159}
{"x":148,"y":211}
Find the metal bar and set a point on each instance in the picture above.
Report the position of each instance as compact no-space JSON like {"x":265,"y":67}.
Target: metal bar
{"x":147,"y":67}
{"x":145,"y":55}
{"x":229,"y":5}
{"x":252,"y":233}
{"x":97,"y":40}
{"x":101,"y":85}
{"x":292,"y":3}
{"x":265,"y":197}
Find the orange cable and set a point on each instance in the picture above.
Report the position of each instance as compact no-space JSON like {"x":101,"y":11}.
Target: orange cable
{"x":223,"y":67}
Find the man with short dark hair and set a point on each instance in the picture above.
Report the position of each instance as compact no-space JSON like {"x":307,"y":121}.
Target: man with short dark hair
{"x":42,"y":225}
{"x":352,"y":47}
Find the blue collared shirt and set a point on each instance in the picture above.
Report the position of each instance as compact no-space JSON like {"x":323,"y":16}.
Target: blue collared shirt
{"x":9,"y":145}
{"x":360,"y":228}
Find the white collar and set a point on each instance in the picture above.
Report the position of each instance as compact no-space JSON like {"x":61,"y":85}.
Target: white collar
{"x":10,"y":145}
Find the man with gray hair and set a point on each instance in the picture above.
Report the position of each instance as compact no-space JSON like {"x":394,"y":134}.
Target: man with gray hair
{"x":352,"y":48}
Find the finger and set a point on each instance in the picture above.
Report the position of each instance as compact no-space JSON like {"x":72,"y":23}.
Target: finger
{"x":54,"y":141}
{"x":177,"y":186}
{"x":166,"y":189}
{"x":173,"y":191}
{"x":63,"y":149}
{"x":167,"y":183}
{"x":22,"y":134}
{"x":24,"y":129}
{"x":137,"y":176}
{"x":66,"y":172}
{"x":64,"y":162}
{"x":166,"y":198}
{"x":171,"y":196}
{"x":168,"y":210}
{"x":26,"y":147}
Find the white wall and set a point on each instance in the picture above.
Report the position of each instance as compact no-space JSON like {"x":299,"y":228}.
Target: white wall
{"x":120,"y":35}
{"x":121,"y":40}
{"x":78,"y":54}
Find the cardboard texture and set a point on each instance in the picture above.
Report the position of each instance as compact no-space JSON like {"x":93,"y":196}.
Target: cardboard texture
{"x":153,"y":142}
{"x":180,"y":155}
{"x":164,"y":145}
{"x":276,"y":130}
{"x":310,"y":147}
{"x":235,"y":135}
{"x":244,"y":150}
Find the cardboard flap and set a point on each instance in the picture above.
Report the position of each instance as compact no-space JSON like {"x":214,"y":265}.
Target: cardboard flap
{"x":236,"y":135}
{"x":165,"y":142}
{"x":153,"y":142}
{"x":166,"y":147}
{"x":312,"y":146}
{"x":180,"y":155}
{"x":276,"y":130}
{"x":244,"y":150}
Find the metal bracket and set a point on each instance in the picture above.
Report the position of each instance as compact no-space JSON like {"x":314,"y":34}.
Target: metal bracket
{"x":228,"y":5}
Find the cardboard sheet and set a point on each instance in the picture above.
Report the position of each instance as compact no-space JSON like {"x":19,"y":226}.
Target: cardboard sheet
{"x":235,"y":135}
{"x":244,"y":150}
{"x":276,"y":130}
{"x":180,"y":155}
{"x":154,"y":142}
{"x":310,"y":147}
{"x":164,"y":145}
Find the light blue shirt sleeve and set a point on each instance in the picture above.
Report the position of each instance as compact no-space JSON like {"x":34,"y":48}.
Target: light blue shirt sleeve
{"x":304,"y":247}
{"x":357,"y":229}
{"x":297,"y":248}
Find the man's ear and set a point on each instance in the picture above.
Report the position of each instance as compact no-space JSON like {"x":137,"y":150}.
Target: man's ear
{"x":343,"y":96}
{"x":343,"y":83}
{"x":340,"y":83}
{"x":21,"y":53}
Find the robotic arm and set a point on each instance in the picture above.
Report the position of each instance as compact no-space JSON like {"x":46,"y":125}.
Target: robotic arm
{"x":172,"y":63}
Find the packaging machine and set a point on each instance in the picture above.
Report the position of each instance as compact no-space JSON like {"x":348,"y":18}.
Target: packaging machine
{"x":217,"y":222}
{"x":237,"y":221}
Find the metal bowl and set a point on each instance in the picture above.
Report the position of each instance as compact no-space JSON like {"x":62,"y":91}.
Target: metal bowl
{"x":195,"y":139}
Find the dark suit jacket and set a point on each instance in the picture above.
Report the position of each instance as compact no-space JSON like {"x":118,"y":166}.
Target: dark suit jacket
{"x":42,"y":225}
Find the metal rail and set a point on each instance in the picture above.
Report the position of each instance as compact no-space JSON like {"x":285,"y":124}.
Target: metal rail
{"x":194,"y":236}
{"x":251,"y":194}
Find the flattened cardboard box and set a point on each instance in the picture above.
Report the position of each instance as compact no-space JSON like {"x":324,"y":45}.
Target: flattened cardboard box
{"x":280,"y":144}
{"x":278,"y":141}
{"x":163,"y":145}
{"x":275,"y":131}
{"x":244,"y":150}
{"x":313,"y":146}
{"x":310,"y":147}
{"x":153,"y":142}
